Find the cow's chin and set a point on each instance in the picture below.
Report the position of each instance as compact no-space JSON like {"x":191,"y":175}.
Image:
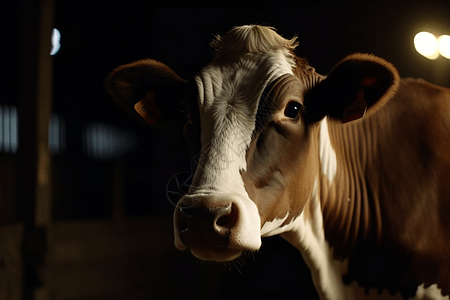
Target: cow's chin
{"x":216,"y":254}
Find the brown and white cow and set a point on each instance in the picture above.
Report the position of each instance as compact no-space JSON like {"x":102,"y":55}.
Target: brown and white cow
{"x":366,"y":202}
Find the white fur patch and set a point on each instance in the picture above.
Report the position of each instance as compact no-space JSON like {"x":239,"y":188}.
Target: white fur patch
{"x":327,"y":154}
{"x":430,"y":293}
{"x":272,"y":228}
{"x":227,"y":89}
{"x":307,"y":235}
{"x":228,"y":96}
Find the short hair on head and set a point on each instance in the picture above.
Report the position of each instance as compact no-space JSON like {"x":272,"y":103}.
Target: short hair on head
{"x":252,"y":39}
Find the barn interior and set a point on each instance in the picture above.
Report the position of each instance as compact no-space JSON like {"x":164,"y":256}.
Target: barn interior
{"x":84,"y":213}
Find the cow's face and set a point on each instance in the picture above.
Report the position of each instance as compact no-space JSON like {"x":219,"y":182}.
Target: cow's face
{"x":250,"y":111}
{"x":259,"y":110}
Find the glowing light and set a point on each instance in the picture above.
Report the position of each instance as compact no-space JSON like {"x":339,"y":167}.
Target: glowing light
{"x":57,"y":134}
{"x":426,"y":44}
{"x":103,"y":142}
{"x":9,"y":137}
{"x":56,"y":37}
{"x":444,"y":45}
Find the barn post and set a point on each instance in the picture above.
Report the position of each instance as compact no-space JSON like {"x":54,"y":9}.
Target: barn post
{"x":34,"y":167}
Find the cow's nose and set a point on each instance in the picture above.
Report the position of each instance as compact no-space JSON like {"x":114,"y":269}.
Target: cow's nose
{"x":217,"y":227}
{"x":205,"y":226}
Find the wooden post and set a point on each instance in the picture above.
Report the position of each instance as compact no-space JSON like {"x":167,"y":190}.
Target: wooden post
{"x":43,"y":213}
{"x":43,"y":112}
{"x":35,"y":101}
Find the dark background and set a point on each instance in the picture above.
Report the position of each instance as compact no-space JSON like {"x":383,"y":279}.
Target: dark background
{"x":97,"y":36}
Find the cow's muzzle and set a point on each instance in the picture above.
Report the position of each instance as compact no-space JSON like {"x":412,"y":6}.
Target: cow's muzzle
{"x":216,"y":227}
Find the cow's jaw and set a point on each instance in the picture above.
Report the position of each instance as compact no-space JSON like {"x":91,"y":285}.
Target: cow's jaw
{"x":229,"y":94}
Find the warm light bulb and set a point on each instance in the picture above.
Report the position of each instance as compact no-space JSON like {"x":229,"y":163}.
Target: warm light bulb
{"x":444,"y":46}
{"x":426,"y":44}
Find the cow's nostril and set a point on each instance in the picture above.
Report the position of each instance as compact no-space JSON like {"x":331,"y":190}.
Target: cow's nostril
{"x":199,"y":225}
{"x":228,"y":217}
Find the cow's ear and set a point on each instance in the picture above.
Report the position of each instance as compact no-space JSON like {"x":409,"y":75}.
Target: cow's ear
{"x":357,"y":86}
{"x":148,"y":88}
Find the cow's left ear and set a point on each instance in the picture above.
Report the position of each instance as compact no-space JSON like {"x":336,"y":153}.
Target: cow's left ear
{"x":357,"y":86}
{"x":148,"y":90}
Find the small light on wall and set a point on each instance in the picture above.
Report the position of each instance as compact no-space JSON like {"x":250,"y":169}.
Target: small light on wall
{"x":9,"y":121}
{"x":56,"y":44}
{"x":57,"y":134}
{"x":102,"y":141}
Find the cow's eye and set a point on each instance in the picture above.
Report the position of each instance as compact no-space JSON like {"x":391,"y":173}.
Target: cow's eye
{"x":292,"y":110}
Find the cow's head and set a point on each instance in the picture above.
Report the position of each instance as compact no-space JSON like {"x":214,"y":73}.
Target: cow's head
{"x":259,"y":109}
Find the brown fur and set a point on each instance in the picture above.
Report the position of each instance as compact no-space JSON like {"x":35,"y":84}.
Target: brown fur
{"x":394,"y":166}
{"x":277,"y":152}
{"x":388,"y":208}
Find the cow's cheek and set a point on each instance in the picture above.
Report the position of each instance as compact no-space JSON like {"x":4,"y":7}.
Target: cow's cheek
{"x":270,"y":203}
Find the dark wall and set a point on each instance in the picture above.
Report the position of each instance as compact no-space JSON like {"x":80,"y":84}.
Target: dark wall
{"x":97,"y":36}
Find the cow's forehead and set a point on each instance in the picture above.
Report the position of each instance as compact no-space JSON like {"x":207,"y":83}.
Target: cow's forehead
{"x":229,"y":89}
{"x":241,"y":77}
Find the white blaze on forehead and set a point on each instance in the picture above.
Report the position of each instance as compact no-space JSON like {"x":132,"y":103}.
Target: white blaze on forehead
{"x":229,"y":92}
{"x":327,"y":154}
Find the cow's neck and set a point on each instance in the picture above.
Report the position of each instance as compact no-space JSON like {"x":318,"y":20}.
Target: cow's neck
{"x":307,"y":235}
{"x":354,"y":212}
{"x":343,"y":212}
{"x":345,"y":221}
{"x":350,"y":204}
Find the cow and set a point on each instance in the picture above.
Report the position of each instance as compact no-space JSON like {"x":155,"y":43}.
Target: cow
{"x":352,"y":168}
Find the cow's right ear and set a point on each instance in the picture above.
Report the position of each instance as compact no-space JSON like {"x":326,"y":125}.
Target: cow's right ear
{"x":148,"y":88}
{"x":358,"y":84}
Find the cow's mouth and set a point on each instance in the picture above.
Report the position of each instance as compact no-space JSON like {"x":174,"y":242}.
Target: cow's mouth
{"x":216,"y":254}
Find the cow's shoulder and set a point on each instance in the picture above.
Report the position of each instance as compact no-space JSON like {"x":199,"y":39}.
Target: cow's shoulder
{"x":422,"y":90}
{"x":428,"y":107}
{"x":419,"y":109}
